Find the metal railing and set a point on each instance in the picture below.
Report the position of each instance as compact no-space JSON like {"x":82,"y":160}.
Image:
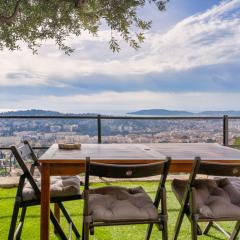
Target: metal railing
{"x":225,"y":119}
{"x":99,"y":118}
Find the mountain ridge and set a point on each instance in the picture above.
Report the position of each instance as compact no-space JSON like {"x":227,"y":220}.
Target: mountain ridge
{"x":164,"y":112}
{"x":39,"y":112}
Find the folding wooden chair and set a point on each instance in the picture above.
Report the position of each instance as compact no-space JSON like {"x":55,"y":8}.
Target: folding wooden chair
{"x":114,"y":205}
{"x":28,"y":193}
{"x":208,"y":200}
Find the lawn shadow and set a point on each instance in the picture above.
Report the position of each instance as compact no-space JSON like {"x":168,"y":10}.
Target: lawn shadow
{"x":214,"y":237}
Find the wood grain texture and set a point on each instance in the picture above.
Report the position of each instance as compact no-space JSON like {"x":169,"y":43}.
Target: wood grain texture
{"x":100,"y":152}
{"x":187,"y":151}
{"x":129,"y":153}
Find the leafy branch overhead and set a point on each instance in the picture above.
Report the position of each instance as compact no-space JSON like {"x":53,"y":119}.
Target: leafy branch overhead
{"x":34,"y":21}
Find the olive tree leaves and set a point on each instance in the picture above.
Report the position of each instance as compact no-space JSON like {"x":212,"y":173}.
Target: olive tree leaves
{"x":34,"y":21}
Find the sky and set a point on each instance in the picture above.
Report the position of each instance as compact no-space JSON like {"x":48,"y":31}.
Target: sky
{"x":190,"y":60}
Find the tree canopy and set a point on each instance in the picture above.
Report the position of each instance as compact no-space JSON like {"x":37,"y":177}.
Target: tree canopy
{"x":34,"y":21}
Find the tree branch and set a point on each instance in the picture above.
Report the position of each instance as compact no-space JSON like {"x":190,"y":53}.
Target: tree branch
{"x":8,"y":19}
{"x":78,"y":3}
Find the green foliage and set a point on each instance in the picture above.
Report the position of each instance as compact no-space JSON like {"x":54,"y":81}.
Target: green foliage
{"x":237,"y":141}
{"x":35,"y":21}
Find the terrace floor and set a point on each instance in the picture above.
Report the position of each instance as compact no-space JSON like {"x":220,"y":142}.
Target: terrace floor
{"x":31,"y":225}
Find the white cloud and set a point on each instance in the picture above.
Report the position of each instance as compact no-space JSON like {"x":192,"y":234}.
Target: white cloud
{"x":211,"y":37}
{"x":207,"y":38}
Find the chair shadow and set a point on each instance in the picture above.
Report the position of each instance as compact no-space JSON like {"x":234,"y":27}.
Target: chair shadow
{"x":214,"y":237}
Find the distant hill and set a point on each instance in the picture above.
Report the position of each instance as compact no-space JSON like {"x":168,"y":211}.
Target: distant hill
{"x":160,"y":112}
{"x":36,"y":112}
{"x":32,"y":112}
{"x":164,"y":112}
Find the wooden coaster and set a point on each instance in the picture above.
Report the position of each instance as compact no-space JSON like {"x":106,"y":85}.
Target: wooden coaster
{"x":69,"y":146}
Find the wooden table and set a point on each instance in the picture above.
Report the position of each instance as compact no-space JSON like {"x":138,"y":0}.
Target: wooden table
{"x":71,"y":162}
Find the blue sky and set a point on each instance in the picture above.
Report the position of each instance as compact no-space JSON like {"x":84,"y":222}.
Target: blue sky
{"x":189,"y":61}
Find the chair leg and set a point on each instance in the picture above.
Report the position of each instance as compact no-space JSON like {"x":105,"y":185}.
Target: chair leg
{"x":13,"y":221}
{"x":235,"y":231}
{"x":194,"y":229}
{"x":149,"y":231}
{"x":86,"y":231}
{"x":178,"y":223}
{"x":199,"y":230}
{"x":57,"y":226}
{"x":165,"y":231}
{"x":67,"y":216}
{"x":57,"y":215}
{"x":207,"y":228}
{"x":83,"y":230}
{"x":22,"y":218}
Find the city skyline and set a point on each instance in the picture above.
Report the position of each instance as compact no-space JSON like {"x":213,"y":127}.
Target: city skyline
{"x":189,"y":61}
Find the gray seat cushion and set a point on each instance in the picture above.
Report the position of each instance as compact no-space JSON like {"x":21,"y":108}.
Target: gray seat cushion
{"x":215,"y":198}
{"x":119,"y":204}
{"x":235,"y":181}
{"x":63,"y":186}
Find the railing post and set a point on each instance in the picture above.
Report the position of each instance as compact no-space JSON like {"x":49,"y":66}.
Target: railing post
{"x":99,"y":129}
{"x":225,"y":130}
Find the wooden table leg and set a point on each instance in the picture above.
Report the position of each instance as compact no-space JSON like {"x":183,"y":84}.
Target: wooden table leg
{"x":45,"y":201}
{"x":57,"y":214}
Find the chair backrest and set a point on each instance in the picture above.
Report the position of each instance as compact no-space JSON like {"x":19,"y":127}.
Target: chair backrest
{"x":25,"y":152}
{"x":127,"y":171}
{"x":21,"y":154}
{"x":214,"y":169}
{"x":219,"y":169}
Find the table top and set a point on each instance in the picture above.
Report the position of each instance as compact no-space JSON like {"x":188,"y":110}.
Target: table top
{"x":124,"y":153}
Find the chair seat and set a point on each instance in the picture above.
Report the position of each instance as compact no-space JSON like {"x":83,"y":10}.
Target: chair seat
{"x":235,"y":181}
{"x":120,"y":204}
{"x":63,"y":186}
{"x":215,"y":198}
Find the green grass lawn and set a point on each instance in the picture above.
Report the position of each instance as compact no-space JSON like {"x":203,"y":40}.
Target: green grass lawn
{"x":31,"y":226}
